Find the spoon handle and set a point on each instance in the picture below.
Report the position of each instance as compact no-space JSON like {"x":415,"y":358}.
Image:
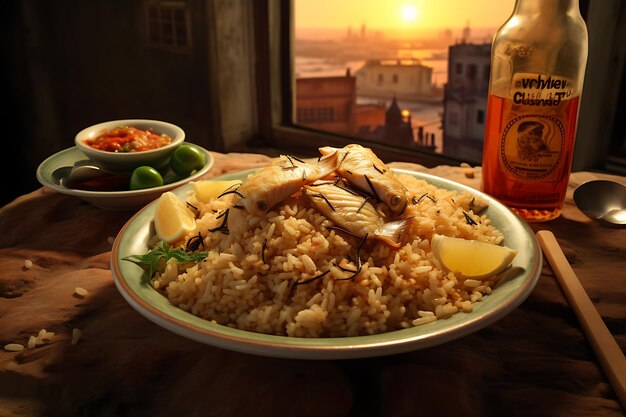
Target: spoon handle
{"x":606,"y":348}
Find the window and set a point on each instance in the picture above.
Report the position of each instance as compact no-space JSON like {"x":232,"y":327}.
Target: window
{"x":168,"y":24}
{"x":315,"y":115}
{"x":471,"y":72}
{"x":285,"y":129}
{"x":305,"y":115}
{"x":325,"y":114}
{"x":403,"y":72}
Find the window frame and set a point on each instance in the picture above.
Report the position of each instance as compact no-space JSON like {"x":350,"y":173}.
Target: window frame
{"x":600,"y":114}
{"x":274,"y":37}
{"x":173,"y":6}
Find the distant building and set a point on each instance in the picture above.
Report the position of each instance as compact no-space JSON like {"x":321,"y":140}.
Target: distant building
{"x":398,"y":126}
{"x":397,"y":130}
{"x":368,"y":116}
{"x":327,"y":103}
{"x":445,"y":36}
{"x":465,"y":100}
{"x":466,"y":33}
{"x":405,"y":79}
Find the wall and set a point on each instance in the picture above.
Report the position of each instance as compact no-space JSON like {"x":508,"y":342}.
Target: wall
{"x":468,"y":55}
{"x":412,"y":81}
{"x":338,"y":93}
{"x":71,"y":63}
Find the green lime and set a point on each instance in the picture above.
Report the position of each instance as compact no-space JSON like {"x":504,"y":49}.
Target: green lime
{"x":186,"y":159}
{"x":145,"y":177}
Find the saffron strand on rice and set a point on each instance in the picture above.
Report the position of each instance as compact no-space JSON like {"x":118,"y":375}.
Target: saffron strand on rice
{"x":604,"y":345}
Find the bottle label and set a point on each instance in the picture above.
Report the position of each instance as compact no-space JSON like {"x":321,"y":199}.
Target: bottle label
{"x":532,"y":145}
{"x":533,"y":140}
{"x":539,"y":89}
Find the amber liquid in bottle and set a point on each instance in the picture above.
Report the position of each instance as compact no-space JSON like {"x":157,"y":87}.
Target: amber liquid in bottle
{"x":528,"y":154}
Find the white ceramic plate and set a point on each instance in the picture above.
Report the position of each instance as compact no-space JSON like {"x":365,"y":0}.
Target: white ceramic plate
{"x":112,"y":200}
{"x":506,"y":296}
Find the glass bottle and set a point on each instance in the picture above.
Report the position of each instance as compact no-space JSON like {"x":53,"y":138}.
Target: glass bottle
{"x":538,"y":60}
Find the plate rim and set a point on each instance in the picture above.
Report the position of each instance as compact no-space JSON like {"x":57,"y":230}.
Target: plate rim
{"x":306,"y":348}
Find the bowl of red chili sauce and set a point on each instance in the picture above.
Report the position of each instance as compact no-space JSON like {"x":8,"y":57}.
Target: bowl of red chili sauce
{"x":123,"y":145}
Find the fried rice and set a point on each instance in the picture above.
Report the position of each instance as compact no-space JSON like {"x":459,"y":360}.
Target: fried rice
{"x":288,"y":273}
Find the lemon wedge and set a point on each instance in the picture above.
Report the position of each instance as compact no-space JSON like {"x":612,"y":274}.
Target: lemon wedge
{"x":172,"y":218}
{"x":471,"y":258}
{"x":207,"y":190}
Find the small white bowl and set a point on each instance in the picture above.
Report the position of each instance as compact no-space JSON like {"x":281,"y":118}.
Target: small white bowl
{"x":127,"y":161}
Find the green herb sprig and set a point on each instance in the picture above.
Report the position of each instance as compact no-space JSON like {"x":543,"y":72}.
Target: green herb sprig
{"x":155,"y":260}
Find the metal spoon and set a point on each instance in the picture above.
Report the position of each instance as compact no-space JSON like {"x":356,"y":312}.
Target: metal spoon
{"x":81,"y":171}
{"x":85,"y":174}
{"x":604,"y":201}
{"x":59,"y":175}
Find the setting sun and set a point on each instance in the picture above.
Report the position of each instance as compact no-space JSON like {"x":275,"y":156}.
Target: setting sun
{"x":405,"y":18}
{"x":408,"y":13}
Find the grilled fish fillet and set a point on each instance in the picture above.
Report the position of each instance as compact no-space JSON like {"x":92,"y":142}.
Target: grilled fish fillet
{"x":353,"y":212}
{"x":361,"y":167}
{"x":273,"y":184}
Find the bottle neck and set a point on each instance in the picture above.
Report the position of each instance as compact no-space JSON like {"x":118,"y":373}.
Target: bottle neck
{"x":546,"y":7}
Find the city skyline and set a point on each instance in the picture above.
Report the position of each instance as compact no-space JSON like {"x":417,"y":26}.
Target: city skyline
{"x":400,"y":16}
{"x":484,"y":34}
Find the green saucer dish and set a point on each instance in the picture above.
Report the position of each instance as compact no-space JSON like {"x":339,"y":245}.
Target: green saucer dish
{"x":47,"y":175}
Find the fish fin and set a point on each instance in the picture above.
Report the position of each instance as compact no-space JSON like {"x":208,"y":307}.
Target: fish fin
{"x":328,"y":150}
{"x":327,"y":165}
{"x":391,"y":233}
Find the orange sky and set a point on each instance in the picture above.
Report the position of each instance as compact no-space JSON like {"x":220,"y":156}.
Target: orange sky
{"x":401,"y":14}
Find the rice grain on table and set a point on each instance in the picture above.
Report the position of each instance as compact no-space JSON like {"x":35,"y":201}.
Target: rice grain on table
{"x":45,"y":335}
{"x":81,"y":292}
{"x":13,"y":347}
{"x":286,"y":273}
{"x":32,"y":342}
{"x":76,"y":334}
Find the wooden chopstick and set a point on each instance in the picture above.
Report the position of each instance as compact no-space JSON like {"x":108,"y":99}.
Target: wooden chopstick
{"x":604,"y":345}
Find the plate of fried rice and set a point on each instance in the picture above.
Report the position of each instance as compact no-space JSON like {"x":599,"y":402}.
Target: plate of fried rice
{"x":288,"y":283}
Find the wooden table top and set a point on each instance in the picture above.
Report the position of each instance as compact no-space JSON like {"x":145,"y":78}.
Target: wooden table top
{"x":535,"y":361}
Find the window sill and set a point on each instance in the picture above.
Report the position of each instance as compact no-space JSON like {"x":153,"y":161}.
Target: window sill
{"x":306,"y":142}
